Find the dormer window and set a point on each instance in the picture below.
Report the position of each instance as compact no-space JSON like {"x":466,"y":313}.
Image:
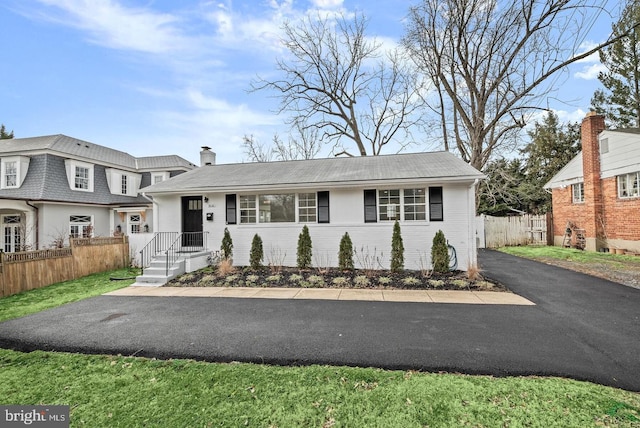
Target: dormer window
{"x":82,"y":178}
{"x":158,"y":177}
{"x":14,"y":171}
{"x":11,"y":174}
{"x":124,"y":184}
{"x":80,"y":175}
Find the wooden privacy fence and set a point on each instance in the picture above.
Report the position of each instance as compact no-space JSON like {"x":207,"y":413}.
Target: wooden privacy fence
{"x":36,"y":269}
{"x":523,"y":229}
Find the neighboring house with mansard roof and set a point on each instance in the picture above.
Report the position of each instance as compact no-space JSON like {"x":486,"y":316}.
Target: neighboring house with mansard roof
{"x":55,"y":186}
{"x":363,"y":196}
{"x":598,"y":191}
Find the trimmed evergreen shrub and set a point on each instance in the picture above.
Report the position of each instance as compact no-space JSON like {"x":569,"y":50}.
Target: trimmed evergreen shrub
{"x":226,"y":249}
{"x":304,"y":249}
{"x":256,"y":256}
{"x":397,"y":249}
{"x":345,"y":255}
{"x":440,"y":253}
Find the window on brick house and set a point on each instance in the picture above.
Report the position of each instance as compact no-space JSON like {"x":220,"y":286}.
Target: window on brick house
{"x":577,"y":190}
{"x":629,"y":185}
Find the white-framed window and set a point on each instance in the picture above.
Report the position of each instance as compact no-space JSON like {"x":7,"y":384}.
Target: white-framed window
{"x":159,"y":176}
{"x":12,"y":232}
{"x":124,"y":181}
{"x":277,"y":208}
{"x":80,"y":226}
{"x":577,"y":192}
{"x":135,"y":220}
{"x":307,"y":208}
{"x":415,"y":204}
{"x":247,"y":209}
{"x":13,"y":170}
{"x":81,"y":177}
{"x":629,"y":185}
{"x":389,"y":204}
{"x":10,"y":176}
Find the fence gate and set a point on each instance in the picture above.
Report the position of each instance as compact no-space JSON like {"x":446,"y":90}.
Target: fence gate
{"x":524,"y":229}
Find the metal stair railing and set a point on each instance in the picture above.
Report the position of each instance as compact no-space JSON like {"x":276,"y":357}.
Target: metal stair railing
{"x":186,"y":242}
{"x":160,"y":242}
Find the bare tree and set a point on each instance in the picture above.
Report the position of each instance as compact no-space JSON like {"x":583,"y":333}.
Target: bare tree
{"x":491,"y":63}
{"x":337,"y":81}
{"x":303,"y":144}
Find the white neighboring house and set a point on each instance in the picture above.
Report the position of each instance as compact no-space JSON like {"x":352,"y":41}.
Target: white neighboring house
{"x":363,"y":196}
{"x":53,"y":187}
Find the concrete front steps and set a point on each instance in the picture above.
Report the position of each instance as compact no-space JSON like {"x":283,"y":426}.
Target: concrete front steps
{"x":157,"y":275}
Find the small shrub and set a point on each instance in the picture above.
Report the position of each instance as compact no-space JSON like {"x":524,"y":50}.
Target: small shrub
{"x":436,"y":283}
{"x":345,"y":255}
{"x":226,"y":249}
{"x":252,"y":279}
{"x":361,"y":281}
{"x":410,"y":280}
{"x":276,"y":259}
{"x":385,"y":280}
{"x":256,"y":256}
{"x":316,"y":280}
{"x":207,"y":280}
{"x":368,"y":261}
{"x":294,"y":277}
{"x":460,"y":283}
{"x":225,"y":267}
{"x":440,"y":253}
{"x":304,"y":249}
{"x":341,"y":281}
{"x":231,"y":278}
{"x":186,"y":278}
{"x":304,"y":284}
{"x":485,"y":285}
{"x":473,"y":273}
{"x":322,"y":262}
{"x":274,"y":278}
{"x":397,"y":249}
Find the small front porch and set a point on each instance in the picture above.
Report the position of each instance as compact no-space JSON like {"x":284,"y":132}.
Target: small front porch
{"x":170,"y":254}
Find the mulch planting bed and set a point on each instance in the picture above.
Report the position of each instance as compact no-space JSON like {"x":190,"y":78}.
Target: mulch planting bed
{"x":333,"y":278}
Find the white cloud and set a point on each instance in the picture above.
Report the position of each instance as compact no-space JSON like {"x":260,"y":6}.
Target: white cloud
{"x":328,"y":4}
{"x":110,"y":24}
{"x":590,"y":72}
{"x":586,"y":47}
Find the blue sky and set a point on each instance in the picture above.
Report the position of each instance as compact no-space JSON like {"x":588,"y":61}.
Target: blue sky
{"x":166,"y":77}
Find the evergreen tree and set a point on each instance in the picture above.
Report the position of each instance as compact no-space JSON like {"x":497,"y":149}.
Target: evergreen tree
{"x":256,"y":256}
{"x":345,"y":255}
{"x":227,"y":245}
{"x":397,"y":249}
{"x":619,"y":101}
{"x":440,"y":253}
{"x":304,"y":249}
{"x":4,"y":135}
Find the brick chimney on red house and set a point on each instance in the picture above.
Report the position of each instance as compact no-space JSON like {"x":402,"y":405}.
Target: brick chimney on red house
{"x":592,"y":126}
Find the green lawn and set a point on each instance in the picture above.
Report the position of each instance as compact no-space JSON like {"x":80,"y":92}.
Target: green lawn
{"x":115,"y":391}
{"x":54,"y":295}
{"x":109,"y":391}
{"x":573,"y":255}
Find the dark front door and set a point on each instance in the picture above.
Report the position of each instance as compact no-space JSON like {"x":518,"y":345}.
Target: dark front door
{"x":191,"y":222}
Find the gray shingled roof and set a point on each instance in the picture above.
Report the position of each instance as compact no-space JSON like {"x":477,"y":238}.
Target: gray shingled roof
{"x":434,"y":166}
{"x":64,"y":145}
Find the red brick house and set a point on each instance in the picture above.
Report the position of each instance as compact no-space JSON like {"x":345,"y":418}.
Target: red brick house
{"x":598,"y":191}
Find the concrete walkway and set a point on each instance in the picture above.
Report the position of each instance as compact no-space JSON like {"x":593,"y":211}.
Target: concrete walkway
{"x":421,"y":296}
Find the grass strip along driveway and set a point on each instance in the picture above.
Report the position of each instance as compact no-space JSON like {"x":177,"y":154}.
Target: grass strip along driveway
{"x":131,"y":392}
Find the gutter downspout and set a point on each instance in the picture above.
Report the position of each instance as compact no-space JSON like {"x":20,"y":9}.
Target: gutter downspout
{"x":36,"y":209}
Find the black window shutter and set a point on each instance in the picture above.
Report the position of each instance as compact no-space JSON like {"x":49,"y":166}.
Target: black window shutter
{"x":436,"y":212}
{"x":230,"y":201}
{"x":323,"y":207}
{"x":370,"y":206}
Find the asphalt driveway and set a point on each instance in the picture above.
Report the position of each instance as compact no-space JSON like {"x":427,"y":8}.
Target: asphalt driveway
{"x":581,"y":327}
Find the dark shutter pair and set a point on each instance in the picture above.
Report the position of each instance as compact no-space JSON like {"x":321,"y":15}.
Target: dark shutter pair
{"x":322,"y":207}
{"x":435,"y":205}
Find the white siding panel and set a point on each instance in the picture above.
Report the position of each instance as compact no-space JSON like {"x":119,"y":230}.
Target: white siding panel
{"x":623,"y":156}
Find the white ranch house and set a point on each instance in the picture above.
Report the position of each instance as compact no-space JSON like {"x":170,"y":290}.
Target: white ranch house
{"x":363,"y":196}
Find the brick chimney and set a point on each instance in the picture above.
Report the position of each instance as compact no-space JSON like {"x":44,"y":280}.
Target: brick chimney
{"x":592,"y":221}
{"x":207,"y":157}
